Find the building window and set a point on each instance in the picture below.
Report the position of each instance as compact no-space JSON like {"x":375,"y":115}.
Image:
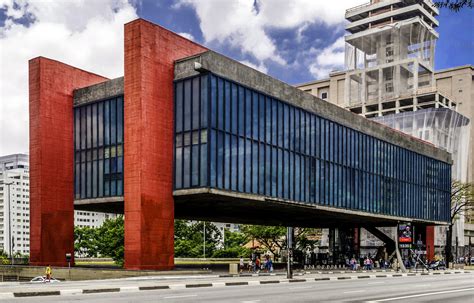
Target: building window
{"x":98,"y":145}
{"x":282,"y":151}
{"x":324,"y":96}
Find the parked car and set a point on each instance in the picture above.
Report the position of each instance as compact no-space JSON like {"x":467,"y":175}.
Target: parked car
{"x":41,"y":279}
{"x":437,"y":265}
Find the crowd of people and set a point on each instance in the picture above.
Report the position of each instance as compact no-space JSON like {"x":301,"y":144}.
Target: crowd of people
{"x":366,"y":263}
{"x":255,"y":265}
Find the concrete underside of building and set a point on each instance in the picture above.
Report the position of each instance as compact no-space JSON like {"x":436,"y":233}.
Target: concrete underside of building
{"x":155,"y":59}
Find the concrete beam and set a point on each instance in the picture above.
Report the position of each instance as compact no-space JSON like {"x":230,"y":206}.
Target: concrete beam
{"x":97,"y":92}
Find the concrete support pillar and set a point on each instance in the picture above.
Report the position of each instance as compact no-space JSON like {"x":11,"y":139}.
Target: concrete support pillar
{"x":150,"y":52}
{"x":364,"y":88}
{"x":347,"y":90}
{"x":381,"y":90}
{"x":51,"y":85}
{"x":415,"y":76}
{"x":396,"y":81}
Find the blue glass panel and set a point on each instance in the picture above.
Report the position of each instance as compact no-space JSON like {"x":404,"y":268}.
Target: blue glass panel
{"x":255,"y":167}
{"x":195,"y":165}
{"x":234,"y":171}
{"x":261,"y":117}
{"x":196,"y":103}
{"x":248,"y":166}
{"x":186,"y":166}
{"x":220,"y":104}
{"x":113,"y":121}
{"x":213,"y":92}
{"x":120,"y":120}
{"x":241,"y":111}
{"x":227,"y":106}
{"x":234,"y":109}
{"x":187,"y":106}
{"x":204,"y":100}
{"x":248,"y":113}
{"x":214,"y":160}
{"x":227,"y":167}
{"x":255,"y":117}
{"x":220,"y":160}
{"x":204,"y":168}
{"x":241,"y":165}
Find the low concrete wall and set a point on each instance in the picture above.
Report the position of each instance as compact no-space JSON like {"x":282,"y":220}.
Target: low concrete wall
{"x":26,"y":273}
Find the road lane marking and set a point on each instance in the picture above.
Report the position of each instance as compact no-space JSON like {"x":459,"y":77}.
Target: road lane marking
{"x":300,"y":287}
{"x":354,"y":291}
{"x":67,"y":292}
{"x":177,"y":286}
{"x":380,"y":282}
{"x":422,"y":295}
{"x":183,"y":296}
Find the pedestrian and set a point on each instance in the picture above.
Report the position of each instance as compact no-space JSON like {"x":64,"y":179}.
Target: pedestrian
{"x":353,"y":264}
{"x":241,"y":264}
{"x":250,"y":264}
{"x":257,"y":265}
{"x":49,"y":273}
{"x":270,"y":264}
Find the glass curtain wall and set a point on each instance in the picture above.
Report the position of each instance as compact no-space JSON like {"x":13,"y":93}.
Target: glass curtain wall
{"x":235,"y":138}
{"x":98,"y":146}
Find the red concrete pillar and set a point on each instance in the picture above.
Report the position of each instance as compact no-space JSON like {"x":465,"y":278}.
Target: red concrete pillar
{"x":430,"y":249}
{"x":51,"y":85}
{"x":150,"y":52}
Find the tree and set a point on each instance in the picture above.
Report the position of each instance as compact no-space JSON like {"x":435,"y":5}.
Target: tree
{"x":454,"y":5}
{"x":189,"y":239}
{"x":106,"y":240}
{"x":273,"y":238}
{"x":85,"y":241}
{"x":234,"y":242}
{"x":462,"y":201}
{"x":110,"y":239}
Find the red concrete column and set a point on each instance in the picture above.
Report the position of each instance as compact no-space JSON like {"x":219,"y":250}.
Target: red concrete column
{"x":430,"y":249}
{"x":150,"y":52}
{"x":51,"y":85}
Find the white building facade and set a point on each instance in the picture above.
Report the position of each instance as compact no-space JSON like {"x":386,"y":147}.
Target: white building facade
{"x":15,"y":206}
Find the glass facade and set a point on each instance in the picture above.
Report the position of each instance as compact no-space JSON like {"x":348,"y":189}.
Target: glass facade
{"x":98,"y":149}
{"x":235,"y":138}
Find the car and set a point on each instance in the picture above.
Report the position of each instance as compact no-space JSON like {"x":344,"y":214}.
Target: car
{"x":437,"y":265}
{"x":42,"y":279}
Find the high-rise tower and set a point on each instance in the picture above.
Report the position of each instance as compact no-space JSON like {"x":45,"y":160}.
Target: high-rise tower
{"x":390,"y":58}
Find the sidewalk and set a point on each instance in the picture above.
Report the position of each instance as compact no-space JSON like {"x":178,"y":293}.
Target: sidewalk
{"x":137,"y":284}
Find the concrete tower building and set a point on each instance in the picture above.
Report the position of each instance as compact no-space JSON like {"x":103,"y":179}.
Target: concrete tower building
{"x":390,"y":58}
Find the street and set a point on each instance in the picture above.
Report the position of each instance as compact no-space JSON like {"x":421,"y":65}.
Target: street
{"x":436,"y":288}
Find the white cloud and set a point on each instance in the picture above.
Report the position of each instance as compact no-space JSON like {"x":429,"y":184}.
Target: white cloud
{"x":88,"y":35}
{"x":187,"y":36}
{"x":244,"y":26}
{"x":260,"y":67}
{"x":329,"y":59}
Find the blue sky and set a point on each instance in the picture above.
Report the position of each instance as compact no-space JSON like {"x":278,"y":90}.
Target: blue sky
{"x":455,"y":46}
{"x":295,"y":41}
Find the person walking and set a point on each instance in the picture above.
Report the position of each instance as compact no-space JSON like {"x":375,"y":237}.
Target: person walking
{"x":257,"y":265}
{"x":48,"y":273}
{"x":250,"y":264}
{"x":270,"y":264}
{"x":241,"y":264}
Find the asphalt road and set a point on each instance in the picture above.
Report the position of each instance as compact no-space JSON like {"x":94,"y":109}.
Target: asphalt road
{"x":443,"y":288}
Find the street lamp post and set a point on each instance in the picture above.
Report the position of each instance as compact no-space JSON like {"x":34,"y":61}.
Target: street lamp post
{"x":204,"y":234}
